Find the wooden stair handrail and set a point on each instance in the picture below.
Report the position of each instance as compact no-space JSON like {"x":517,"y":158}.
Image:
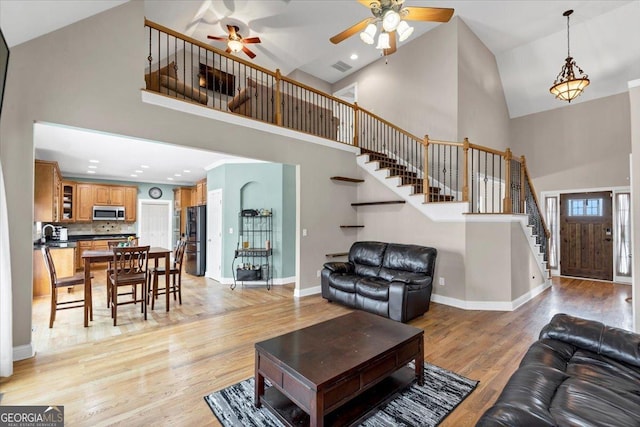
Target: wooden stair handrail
{"x":388,"y":123}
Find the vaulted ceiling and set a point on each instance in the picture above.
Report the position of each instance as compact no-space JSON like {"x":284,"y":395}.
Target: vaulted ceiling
{"x":528,"y":38}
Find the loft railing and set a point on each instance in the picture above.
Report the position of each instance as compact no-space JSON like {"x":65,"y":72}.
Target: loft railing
{"x":491,"y":181}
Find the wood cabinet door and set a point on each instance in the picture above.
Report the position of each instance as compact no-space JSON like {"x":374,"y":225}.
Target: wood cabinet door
{"x":44,"y":187}
{"x":84,"y":202}
{"x":116,"y":196}
{"x":130,"y":203}
{"x":68,"y":202}
{"x":101,"y":195}
{"x":82,"y":245}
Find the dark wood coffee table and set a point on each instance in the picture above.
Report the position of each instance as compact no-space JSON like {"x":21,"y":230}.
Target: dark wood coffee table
{"x":336,"y":372}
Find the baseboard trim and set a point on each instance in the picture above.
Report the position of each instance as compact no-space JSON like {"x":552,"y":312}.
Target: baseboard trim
{"x":275,"y":281}
{"x":298,"y":293}
{"x":491,"y":305}
{"x":22,"y":352}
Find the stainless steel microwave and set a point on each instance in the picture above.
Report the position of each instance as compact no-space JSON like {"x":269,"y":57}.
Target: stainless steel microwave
{"x":108,"y":213}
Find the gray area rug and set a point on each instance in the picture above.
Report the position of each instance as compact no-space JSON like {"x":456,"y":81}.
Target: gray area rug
{"x":426,"y":405}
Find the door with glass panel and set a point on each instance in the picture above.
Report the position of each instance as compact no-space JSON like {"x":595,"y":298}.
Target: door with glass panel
{"x":586,"y":235}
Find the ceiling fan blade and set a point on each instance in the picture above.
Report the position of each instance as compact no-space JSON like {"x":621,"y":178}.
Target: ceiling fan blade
{"x":251,"y":40}
{"x":248,"y":52}
{"x":392,"y":44}
{"x":434,"y":14}
{"x":232,"y":30}
{"x":217,"y":38}
{"x":350,"y":31}
{"x":368,"y":3}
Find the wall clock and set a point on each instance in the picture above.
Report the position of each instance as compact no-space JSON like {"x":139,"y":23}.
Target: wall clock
{"x":155,"y":193}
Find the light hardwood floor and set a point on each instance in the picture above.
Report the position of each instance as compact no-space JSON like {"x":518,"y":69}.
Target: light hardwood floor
{"x":157,"y":372}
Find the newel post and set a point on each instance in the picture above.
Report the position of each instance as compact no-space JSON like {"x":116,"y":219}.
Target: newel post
{"x":425,"y":179}
{"x":278,"y":98}
{"x":356,"y":124}
{"x":523,"y":176}
{"x":465,"y":171}
{"x":506,"y":206}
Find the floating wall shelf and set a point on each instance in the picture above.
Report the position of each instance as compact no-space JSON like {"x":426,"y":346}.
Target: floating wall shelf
{"x":352,"y":226}
{"x":337,"y":254}
{"x":387,"y":202}
{"x":346,"y":179}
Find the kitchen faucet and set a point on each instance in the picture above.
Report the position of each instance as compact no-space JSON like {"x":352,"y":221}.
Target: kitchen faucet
{"x":53,"y":232}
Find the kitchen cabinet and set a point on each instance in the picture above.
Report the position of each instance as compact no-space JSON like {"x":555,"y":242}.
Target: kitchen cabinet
{"x":47,"y":191}
{"x":67,"y":202}
{"x":200,"y":193}
{"x":65,"y":261}
{"x":84,"y":202}
{"x":182,"y":200}
{"x":108,"y":195}
{"x":93,"y":245}
{"x":130,"y":203}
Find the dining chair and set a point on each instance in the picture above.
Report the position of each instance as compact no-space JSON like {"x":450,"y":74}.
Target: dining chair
{"x":130,"y":268}
{"x":60,"y":282}
{"x":113,"y":244}
{"x":175,"y":270}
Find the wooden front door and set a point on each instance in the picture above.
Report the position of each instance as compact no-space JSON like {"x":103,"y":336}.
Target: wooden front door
{"x":586,"y":235}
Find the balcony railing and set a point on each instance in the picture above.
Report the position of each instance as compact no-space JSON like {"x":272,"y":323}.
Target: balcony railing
{"x":491,"y":181}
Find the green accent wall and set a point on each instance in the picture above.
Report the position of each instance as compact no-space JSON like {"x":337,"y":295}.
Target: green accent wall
{"x":258,"y":186}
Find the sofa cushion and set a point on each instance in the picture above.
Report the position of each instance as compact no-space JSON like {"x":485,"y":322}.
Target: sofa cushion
{"x":374,"y":288}
{"x":367,"y":257}
{"x":174,"y":87}
{"x":152,"y":79}
{"x":413,"y":258}
{"x":344,"y":282}
{"x":243,"y":96}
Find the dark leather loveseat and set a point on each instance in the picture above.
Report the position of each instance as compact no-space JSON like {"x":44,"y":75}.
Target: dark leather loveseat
{"x":391,"y":280}
{"x":579,"y":373}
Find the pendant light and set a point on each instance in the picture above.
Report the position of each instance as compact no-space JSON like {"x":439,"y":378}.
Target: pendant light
{"x":567,"y":86}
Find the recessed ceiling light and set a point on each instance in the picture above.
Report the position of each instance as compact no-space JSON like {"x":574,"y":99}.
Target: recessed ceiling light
{"x":354,"y":56}
{"x":134,"y":175}
{"x":177,"y":174}
{"x":170,"y":179}
{"x":94,"y":161}
{"x":93,"y":167}
{"x":186,"y":171}
{"x":139,"y":171}
{"x":144,"y":166}
{"x":91,"y":171}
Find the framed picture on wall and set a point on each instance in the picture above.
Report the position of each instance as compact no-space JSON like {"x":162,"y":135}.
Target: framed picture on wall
{"x":216,"y":80}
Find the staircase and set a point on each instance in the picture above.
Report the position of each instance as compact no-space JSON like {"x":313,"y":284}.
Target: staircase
{"x":409,"y":185}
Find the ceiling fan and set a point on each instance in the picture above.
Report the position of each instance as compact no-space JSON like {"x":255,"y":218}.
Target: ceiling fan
{"x":393,"y":16}
{"x":235,"y":42}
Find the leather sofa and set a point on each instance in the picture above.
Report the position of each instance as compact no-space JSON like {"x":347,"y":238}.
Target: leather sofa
{"x":165,"y":81}
{"x":579,"y":373}
{"x":388,"y":279}
{"x":298,"y":112}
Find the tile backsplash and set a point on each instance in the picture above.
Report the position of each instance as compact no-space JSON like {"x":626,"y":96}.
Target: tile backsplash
{"x":96,"y":227}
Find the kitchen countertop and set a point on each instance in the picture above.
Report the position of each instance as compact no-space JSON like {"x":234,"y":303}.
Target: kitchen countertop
{"x":71,"y":243}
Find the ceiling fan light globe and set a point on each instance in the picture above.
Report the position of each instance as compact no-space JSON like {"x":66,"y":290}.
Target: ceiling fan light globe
{"x":383,"y":41}
{"x":235,"y":45}
{"x":404,"y":30}
{"x":368,"y":35}
{"x":390,"y":20}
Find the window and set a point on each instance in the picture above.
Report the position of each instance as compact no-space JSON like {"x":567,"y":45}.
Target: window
{"x":551,"y":205}
{"x":585,"y":207}
{"x":623,"y":234}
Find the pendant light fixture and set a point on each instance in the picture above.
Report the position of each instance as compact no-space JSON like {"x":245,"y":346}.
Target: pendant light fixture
{"x":566,"y":85}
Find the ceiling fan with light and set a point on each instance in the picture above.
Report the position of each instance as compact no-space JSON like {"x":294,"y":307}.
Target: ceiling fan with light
{"x":235,"y":42}
{"x":393,"y":16}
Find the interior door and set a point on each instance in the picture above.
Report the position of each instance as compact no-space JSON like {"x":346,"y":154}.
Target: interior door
{"x":586,"y":235}
{"x":214,"y":234}
{"x":154,"y":224}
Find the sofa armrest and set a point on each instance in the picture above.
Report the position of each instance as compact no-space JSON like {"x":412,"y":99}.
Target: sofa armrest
{"x":614,"y":343}
{"x":339,"y":267}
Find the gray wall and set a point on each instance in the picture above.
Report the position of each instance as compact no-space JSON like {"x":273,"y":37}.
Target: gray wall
{"x":590,"y":143}
{"x":94,"y":73}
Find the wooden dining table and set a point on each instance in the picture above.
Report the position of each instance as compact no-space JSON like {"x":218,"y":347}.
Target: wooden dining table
{"x":98,"y":256}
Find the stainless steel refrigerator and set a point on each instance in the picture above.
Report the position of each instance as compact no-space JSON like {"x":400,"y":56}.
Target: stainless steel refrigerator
{"x":196,"y":230}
